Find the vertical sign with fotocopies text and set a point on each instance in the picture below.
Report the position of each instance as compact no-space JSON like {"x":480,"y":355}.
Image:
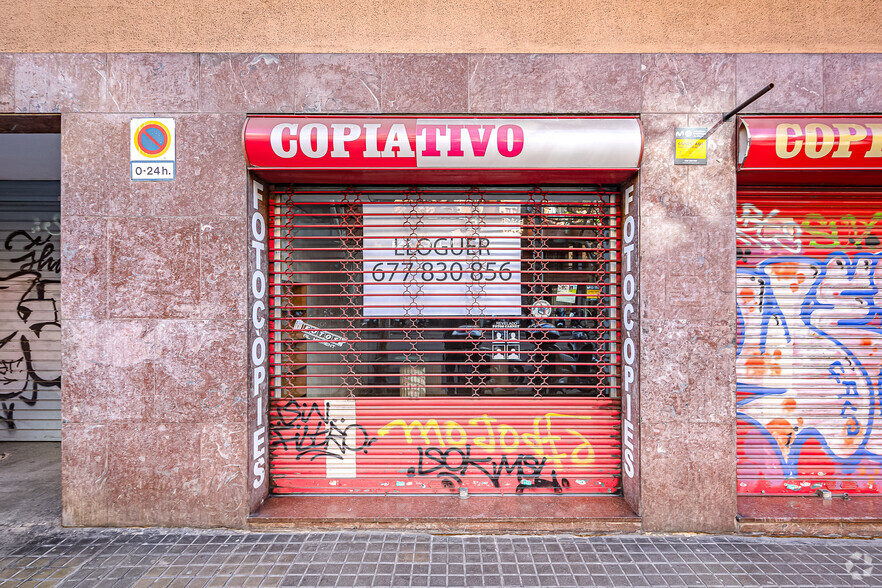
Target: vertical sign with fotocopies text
{"x":630,"y":306}
{"x":258,"y":342}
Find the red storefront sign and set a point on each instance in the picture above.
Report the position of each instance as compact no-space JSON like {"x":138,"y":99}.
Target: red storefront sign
{"x":810,"y":150}
{"x":307,"y":149}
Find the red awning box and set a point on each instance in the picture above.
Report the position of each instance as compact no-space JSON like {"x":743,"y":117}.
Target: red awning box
{"x":443,"y":149}
{"x":817,"y":150}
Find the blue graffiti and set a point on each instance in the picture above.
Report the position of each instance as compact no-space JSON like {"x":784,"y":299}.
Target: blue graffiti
{"x":839,"y":291}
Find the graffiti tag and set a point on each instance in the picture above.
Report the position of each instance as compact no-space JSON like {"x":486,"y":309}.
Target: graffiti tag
{"x":29,"y":301}
{"x":544,"y":439}
{"x":766,"y":230}
{"x":307,"y":429}
{"x":453,"y":463}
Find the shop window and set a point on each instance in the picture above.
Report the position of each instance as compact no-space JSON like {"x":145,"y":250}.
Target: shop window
{"x":444,"y":292}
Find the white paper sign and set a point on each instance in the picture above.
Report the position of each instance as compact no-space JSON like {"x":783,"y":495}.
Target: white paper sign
{"x":442,"y":260}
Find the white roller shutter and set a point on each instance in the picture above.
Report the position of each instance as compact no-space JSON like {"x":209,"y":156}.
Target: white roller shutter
{"x":30,"y":305}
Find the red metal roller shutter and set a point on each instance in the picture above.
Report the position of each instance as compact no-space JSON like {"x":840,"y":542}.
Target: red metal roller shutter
{"x":434,"y":339}
{"x":809,"y":340}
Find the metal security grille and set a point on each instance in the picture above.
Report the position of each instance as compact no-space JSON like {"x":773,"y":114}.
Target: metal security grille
{"x":809,"y":340}
{"x":437,"y":339}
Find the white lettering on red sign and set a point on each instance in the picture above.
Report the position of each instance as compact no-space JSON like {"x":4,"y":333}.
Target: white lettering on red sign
{"x":258,"y":321}
{"x":630,"y":350}
{"x":343,"y":133}
{"x":306,"y":142}
{"x":315,"y":140}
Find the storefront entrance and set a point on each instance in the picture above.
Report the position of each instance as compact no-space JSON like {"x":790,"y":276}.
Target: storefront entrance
{"x":808,"y":294}
{"x":30,"y":279}
{"x":446,"y":306}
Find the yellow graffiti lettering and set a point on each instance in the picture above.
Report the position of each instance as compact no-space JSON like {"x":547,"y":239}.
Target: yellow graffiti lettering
{"x":842,"y":232}
{"x":549,"y":438}
{"x":827,"y":238}
{"x":430,"y":427}
{"x":452,"y":427}
{"x":584,"y":446}
{"x":505,"y":446}
{"x":556,"y":444}
{"x":488,"y":442}
{"x":554,"y":453}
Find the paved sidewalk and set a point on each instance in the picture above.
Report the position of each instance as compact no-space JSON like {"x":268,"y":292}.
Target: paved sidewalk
{"x":196,"y":558}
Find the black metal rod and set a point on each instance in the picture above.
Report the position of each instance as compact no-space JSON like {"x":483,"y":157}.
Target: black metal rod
{"x":729,"y":115}
{"x":747,"y":102}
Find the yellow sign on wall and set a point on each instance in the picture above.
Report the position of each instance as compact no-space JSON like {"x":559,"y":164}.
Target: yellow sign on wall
{"x":691,"y":146}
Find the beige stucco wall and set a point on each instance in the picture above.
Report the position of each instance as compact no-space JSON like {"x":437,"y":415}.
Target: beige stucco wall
{"x":430,"y":26}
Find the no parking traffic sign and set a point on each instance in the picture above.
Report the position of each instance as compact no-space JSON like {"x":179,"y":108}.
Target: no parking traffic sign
{"x":152,"y":149}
